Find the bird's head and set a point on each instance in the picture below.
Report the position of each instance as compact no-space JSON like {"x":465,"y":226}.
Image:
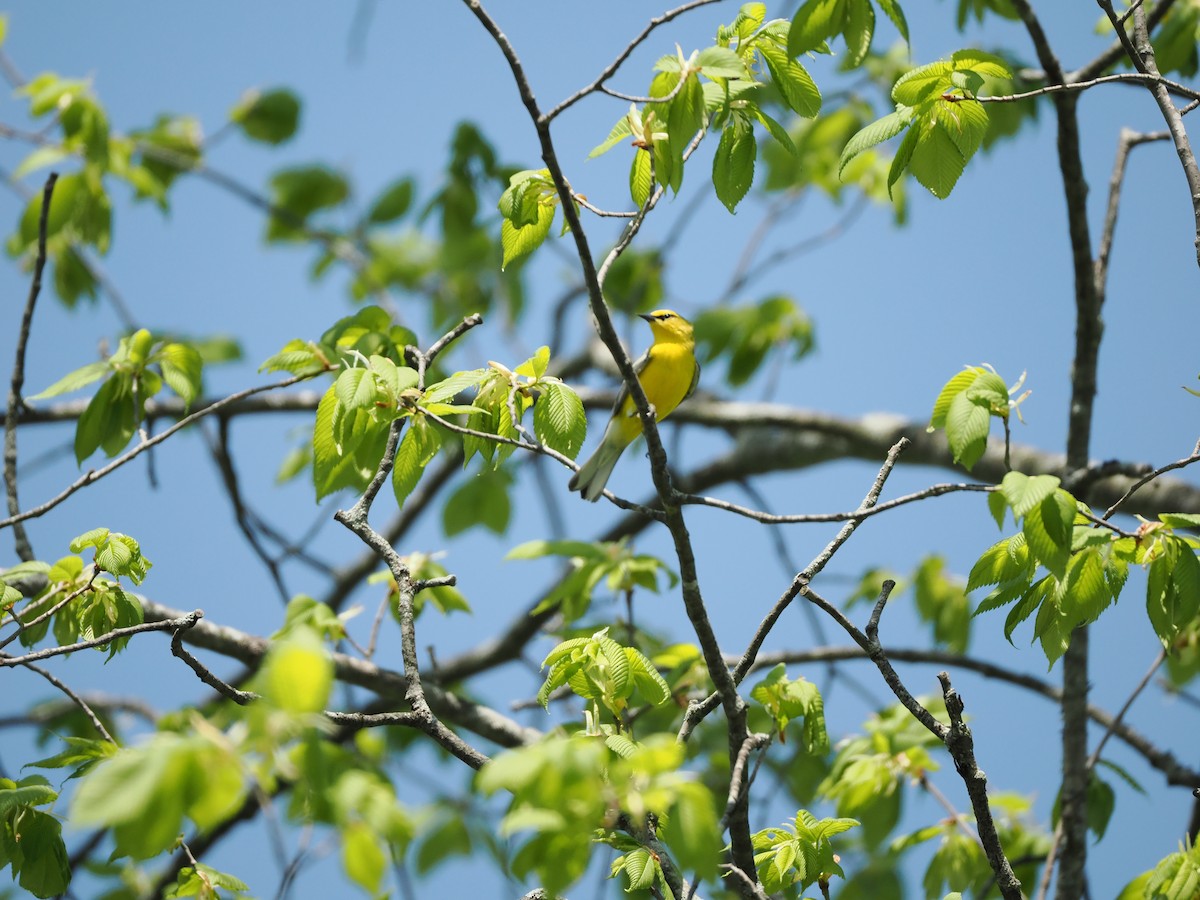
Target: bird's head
{"x":669,"y":325}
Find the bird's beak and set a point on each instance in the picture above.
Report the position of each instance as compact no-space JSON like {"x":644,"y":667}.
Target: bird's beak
{"x":646,"y":316}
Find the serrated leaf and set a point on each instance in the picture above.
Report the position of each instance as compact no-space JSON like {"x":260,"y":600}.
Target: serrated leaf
{"x":859,"y":30}
{"x":813,"y":22}
{"x":876,"y":133}
{"x":1029,"y":602}
{"x":419,"y":445}
{"x":796,"y":86}
{"x":733,"y":163}
{"x":967,"y":426}
{"x":777,"y":131}
{"x":518,"y":242}
{"x":721,"y":62}
{"x":182,"y":370}
{"x":903,"y":157}
{"x":936,"y":162}
{"x":641,"y":178}
{"x":559,"y":420}
{"x":892,"y":10}
{"x":1024,"y":492}
{"x":619,"y":132}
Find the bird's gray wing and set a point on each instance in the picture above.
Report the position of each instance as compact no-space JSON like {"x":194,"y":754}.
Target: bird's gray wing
{"x":695,"y":381}
{"x":639,"y":366}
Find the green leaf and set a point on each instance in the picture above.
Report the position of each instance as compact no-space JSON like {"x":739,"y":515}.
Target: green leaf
{"x":267,"y":116}
{"x":641,"y":178}
{"x":903,"y":156}
{"x":798,"y":89}
{"x":1047,"y":530}
{"x":721,"y":62}
{"x":392,"y":202}
{"x":813,"y":22}
{"x":81,"y":377}
{"x":417,"y":448}
{"x":892,"y":10}
{"x":45,"y":870}
{"x":922,"y":83}
{"x":936,"y":162}
{"x":297,"y":674}
{"x":777,"y":131}
{"x":733,"y":163}
{"x":200,"y":881}
{"x":877,"y":132}
{"x":559,"y":420}
{"x":620,"y":132}
{"x":362,"y":857}
{"x":302,"y":191}
{"x":108,"y":419}
{"x":182,"y":368}
{"x":482,"y":500}
{"x":860,"y":28}
{"x":521,"y":241}
{"x":967,"y":426}
{"x":31,"y":791}
{"x":355,"y":389}
{"x":1024,"y":492}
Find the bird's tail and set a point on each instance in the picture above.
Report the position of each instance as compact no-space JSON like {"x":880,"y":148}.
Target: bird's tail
{"x":593,"y":476}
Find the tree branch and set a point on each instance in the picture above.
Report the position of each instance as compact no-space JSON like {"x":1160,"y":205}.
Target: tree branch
{"x":1141,"y":53}
{"x":15,"y":403}
{"x":184,"y":621}
{"x":93,"y":475}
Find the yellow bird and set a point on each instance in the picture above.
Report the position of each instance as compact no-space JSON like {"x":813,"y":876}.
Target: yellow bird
{"x":668,"y":373}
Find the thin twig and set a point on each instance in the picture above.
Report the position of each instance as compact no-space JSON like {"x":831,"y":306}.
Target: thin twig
{"x":1174,"y":87}
{"x":355,"y":519}
{"x":698,"y":710}
{"x":1142,"y":482}
{"x":611,"y":69}
{"x":42,"y":617}
{"x":241,"y":698}
{"x":1127,"y":140}
{"x":742,"y":852}
{"x":93,"y":475}
{"x":76,"y":699}
{"x":15,"y":403}
{"x":936,"y":490}
{"x":1141,"y":52}
{"x":169,"y":625}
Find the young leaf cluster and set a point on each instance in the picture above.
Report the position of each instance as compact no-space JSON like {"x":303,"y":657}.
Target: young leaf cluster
{"x":564,"y":787}
{"x":612,"y":562}
{"x":604,"y":673}
{"x":31,"y":843}
{"x":868,"y":771}
{"x":99,"y":605}
{"x":945,"y":124}
{"x":786,"y":700}
{"x":799,"y":854}
{"x":965,"y":408}
{"x":504,"y":396}
{"x":685,"y":107}
{"x":1176,"y":877}
{"x":1086,"y":567}
{"x":132,"y":375}
{"x":748,"y":333}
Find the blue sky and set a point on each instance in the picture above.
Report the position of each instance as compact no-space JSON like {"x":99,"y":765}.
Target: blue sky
{"x":981,"y":277}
